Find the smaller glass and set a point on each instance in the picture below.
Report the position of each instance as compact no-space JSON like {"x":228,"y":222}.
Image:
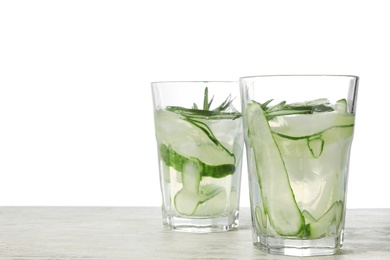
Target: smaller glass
{"x":298,"y":134}
{"x":198,"y":128}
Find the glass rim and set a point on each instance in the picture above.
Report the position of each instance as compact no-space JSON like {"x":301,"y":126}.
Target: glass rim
{"x":192,"y":81}
{"x":301,"y":75}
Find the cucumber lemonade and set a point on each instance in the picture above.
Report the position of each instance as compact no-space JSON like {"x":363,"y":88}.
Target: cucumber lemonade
{"x":298,"y":157}
{"x":200,"y":149}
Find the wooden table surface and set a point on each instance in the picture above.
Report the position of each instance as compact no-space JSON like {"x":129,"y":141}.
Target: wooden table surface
{"x":137,"y":233}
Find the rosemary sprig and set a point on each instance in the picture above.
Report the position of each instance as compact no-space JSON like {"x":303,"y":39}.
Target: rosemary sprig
{"x":219,"y":111}
{"x":282,"y":108}
{"x":206,"y":102}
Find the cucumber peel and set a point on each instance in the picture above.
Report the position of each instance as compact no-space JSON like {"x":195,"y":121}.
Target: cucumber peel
{"x":278,"y":197}
{"x":177,"y":161}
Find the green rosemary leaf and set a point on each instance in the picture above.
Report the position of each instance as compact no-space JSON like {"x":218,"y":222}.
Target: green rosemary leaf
{"x":206,"y":99}
{"x":265,"y":104}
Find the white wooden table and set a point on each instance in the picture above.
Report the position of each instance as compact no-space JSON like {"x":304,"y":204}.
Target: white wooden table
{"x":137,"y":233}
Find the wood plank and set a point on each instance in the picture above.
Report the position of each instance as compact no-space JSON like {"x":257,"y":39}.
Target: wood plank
{"x":137,"y":233}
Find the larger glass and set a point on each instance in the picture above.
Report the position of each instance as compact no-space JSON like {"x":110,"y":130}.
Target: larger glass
{"x":200,"y":142}
{"x":298,"y":135}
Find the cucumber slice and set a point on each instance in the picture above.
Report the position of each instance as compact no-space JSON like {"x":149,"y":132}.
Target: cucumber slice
{"x":279,"y":202}
{"x":191,"y":176}
{"x":329,"y":223}
{"x":173,"y":129}
{"x":187,"y":199}
{"x":195,"y":200}
{"x":201,"y":204}
{"x":300,"y":126}
{"x":177,"y":161}
{"x":213,"y":201}
{"x":186,"y":202}
{"x":341,"y":106}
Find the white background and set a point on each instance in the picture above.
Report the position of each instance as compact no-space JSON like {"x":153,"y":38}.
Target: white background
{"x":76,"y":118}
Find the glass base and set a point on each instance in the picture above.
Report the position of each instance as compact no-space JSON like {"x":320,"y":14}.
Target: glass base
{"x":201,"y":224}
{"x":296,"y":247}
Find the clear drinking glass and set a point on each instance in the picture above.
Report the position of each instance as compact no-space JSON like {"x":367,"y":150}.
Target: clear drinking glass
{"x":298,"y":135}
{"x":200,"y":143}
